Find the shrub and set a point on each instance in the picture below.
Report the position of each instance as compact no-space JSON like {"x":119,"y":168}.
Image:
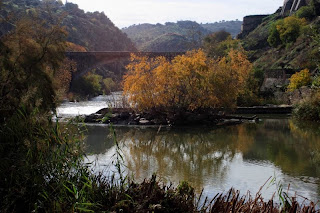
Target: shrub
{"x":290,"y":29}
{"x":88,"y":85}
{"x":307,"y":12}
{"x":274,"y":36}
{"x":189,"y":82}
{"x":299,"y":79}
{"x":286,"y":30}
{"x":316,"y":82}
{"x":309,"y":109}
{"x":108,"y":85}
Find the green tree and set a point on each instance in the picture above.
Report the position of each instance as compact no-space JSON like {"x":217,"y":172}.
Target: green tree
{"x":219,"y":44}
{"x":274,"y":36}
{"x":286,"y":30}
{"x":30,"y":56}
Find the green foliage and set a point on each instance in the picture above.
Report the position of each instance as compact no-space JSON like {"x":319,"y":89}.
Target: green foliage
{"x":285,"y":31}
{"x":251,"y":95}
{"x":316,"y":82}
{"x":108,"y":85}
{"x":92,"y":84}
{"x":274,"y":36}
{"x":219,"y":44}
{"x":299,"y":79}
{"x":89,"y":85}
{"x":306,"y":12}
{"x":232,"y":27}
{"x":30,"y":56}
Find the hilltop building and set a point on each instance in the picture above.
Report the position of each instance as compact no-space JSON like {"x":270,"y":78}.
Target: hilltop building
{"x":290,"y":6}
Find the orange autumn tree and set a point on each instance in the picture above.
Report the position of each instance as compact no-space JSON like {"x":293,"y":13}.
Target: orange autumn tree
{"x":189,"y":82}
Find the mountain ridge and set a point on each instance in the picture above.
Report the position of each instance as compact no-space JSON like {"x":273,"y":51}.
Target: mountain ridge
{"x":188,"y":34}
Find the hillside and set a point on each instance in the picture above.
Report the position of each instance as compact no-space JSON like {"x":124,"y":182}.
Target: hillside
{"x":233,"y":27}
{"x":180,"y":36}
{"x":94,"y":31}
{"x":298,"y":54}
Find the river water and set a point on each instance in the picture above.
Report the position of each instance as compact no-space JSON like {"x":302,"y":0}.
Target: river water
{"x":213,"y":159}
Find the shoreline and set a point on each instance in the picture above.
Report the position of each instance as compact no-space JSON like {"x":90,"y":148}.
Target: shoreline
{"x":128,"y":117}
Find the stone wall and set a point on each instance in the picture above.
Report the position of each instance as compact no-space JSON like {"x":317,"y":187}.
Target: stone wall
{"x":250,"y":23}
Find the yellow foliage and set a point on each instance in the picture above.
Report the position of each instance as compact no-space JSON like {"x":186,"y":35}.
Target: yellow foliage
{"x":189,"y":82}
{"x":72,"y":47}
{"x":299,"y":79}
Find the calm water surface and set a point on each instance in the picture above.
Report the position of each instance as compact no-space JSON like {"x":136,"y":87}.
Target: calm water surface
{"x":242,"y":156}
{"x":213,"y":159}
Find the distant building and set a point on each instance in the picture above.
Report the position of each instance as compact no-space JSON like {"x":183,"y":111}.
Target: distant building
{"x":290,"y":6}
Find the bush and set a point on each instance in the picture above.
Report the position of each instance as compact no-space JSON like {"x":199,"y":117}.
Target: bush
{"x":274,"y":36}
{"x":316,"y":82}
{"x":307,"y":12}
{"x":89,"y":85}
{"x":309,"y":109}
{"x":189,"y":82}
{"x":299,"y":79}
{"x":285,"y":31}
{"x":108,"y":85}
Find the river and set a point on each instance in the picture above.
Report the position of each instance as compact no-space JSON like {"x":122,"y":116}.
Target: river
{"x":210,"y":158}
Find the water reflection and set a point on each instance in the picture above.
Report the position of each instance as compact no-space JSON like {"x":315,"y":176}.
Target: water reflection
{"x":242,"y":156}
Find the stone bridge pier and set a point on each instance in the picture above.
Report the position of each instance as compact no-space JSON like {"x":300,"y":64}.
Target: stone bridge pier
{"x":86,"y":61}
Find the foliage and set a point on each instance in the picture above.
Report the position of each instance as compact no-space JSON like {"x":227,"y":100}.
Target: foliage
{"x":30,"y":58}
{"x":309,"y":109}
{"x":92,"y":31}
{"x":306,"y":12}
{"x":72,"y":47}
{"x":88,"y":85}
{"x":274,"y":36}
{"x":286,"y":30}
{"x":232,"y":27}
{"x":251,"y":94}
{"x":219,"y":44}
{"x":108,"y":85}
{"x":316,"y":81}
{"x":92,"y":84}
{"x":299,"y":79}
{"x":189,"y":82}
{"x":62,"y":78}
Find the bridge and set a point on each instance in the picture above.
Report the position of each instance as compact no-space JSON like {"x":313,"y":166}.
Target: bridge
{"x":86,"y":61}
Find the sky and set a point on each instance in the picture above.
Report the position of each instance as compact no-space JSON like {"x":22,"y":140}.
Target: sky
{"x":124,"y":13}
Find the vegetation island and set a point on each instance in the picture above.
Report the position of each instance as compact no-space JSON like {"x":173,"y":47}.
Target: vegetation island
{"x":273,"y":61}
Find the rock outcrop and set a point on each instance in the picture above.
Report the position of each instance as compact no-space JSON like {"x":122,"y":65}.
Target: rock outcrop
{"x":290,"y":6}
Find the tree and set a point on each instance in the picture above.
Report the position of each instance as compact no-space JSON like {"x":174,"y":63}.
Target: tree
{"x":299,"y":79}
{"x":187,"y":83}
{"x":31,"y":54}
{"x":286,"y":30}
{"x":219,"y":44}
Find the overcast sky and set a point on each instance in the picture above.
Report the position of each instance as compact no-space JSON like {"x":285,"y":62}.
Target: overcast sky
{"x":124,"y":13}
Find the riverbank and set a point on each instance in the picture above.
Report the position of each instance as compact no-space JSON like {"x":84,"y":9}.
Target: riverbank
{"x":128,"y":116}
